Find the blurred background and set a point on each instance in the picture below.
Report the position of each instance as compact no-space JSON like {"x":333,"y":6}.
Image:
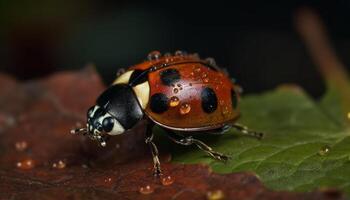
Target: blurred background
{"x":255,"y":40}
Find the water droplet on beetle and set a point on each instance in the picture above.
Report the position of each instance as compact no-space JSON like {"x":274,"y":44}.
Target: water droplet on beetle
{"x":59,"y":165}
{"x":179,"y":53}
{"x":167,"y":180}
{"x":225,"y":111}
{"x":197,"y":69}
{"x":192,"y":74}
{"x":25,"y":164}
{"x":324,"y":150}
{"x":211,"y":61}
{"x":196,"y":55}
{"x":206,"y":80}
{"x":146,"y":190}
{"x":185,"y":109}
{"x":21,"y":146}
{"x":215,"y":195}
{"x":174,"y":101}
{"x":154,"y":55}
{"x":204,"y":75}
{"x":175,"y":90}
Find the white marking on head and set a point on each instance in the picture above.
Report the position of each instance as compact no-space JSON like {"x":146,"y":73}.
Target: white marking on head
{"x":142,"y":92}
{"x":124,"y":78}
{"x":117,"y":128}
{"x":94,"y":110}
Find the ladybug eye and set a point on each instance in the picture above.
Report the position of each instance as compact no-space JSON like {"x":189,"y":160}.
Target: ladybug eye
{"x":108,"y":124}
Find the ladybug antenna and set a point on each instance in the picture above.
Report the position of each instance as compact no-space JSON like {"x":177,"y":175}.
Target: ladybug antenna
{"x":78,"y":131}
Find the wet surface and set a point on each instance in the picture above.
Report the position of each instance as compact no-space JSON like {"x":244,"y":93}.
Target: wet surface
{"x":40,"y":159}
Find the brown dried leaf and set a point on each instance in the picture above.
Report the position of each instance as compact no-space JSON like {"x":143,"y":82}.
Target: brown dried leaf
{"x":35,"y":119}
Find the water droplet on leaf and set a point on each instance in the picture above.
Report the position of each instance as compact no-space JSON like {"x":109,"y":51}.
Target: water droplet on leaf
{"x":324,"y":150}
{"x":25,"y":164}
{"x":167,"y":180}
{"x":215,"y":195}
{"x":146,"y":190}
{"x":21,"y":146}
{"x":185,"y":108}
{"x":108,"y":180}
{"x":59,"y":165}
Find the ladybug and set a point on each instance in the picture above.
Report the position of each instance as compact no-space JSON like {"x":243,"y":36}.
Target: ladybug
{"x":181,"y":93}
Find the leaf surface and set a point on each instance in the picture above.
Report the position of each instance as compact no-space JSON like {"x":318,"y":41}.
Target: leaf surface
{"x":306,"y":144}
{"x":53,"y":164}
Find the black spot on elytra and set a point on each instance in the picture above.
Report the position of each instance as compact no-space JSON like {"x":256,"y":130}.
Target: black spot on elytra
{"x":234,"y":99}
{"x":209,"y":100}
{"x":159,"y":103}
{"x":138,"y":77}
{"x":169,"y":76}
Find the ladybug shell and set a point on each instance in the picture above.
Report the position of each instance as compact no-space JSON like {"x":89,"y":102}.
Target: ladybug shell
{"x":188,"y":94}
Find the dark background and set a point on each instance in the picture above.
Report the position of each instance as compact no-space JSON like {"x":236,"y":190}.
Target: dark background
{"x":255,"y":40}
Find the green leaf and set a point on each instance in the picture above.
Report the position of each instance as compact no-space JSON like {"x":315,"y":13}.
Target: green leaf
{"x":293,"y":155}
{"x":336,"y":104}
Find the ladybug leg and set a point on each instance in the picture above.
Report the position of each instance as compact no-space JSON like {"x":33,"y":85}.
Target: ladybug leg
{"x":201,"y":145}
{"x":154,"y":150}
{"x":246,"y":131}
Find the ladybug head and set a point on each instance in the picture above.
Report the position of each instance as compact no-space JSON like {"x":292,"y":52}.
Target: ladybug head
{"x":117,"y":110}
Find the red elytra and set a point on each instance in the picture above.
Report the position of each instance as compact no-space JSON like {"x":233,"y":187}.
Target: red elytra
{"x":200,"y":96}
